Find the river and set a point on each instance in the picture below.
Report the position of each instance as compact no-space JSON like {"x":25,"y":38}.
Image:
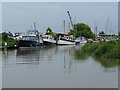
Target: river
{"x":55,"y":67}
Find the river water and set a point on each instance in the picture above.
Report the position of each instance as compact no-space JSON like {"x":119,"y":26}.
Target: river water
{"x":55,"y":67}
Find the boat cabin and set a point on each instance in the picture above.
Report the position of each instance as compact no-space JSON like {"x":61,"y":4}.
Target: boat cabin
{"x":47,"y":37}
{"x":32,"y":32}
{"x":31,"y":38}
{"x":67,"y":37}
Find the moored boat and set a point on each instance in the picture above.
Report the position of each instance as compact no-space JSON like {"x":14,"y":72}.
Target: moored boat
{"x":48,"y":39}
{"x":31,"y":39}
{"x":81,"y":40}
{"x":66,"y":40}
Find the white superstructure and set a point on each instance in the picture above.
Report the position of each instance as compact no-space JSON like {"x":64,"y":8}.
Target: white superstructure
{"x":66,"y":40}
{"x":48,"y":39}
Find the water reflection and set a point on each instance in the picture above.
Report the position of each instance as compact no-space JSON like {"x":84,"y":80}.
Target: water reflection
{"x":59,"y":67}
{"x":78,"y":55}
{"x":8,"y":57}
{"x":70,"y":54}
{"x":67,"y":51}
{"x":108,"y":65}
{"x":34,"y":55}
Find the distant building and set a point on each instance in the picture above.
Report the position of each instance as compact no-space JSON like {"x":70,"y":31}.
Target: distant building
{"x":106,"y":36}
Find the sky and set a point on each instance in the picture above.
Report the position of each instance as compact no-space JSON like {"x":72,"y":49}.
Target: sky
{"x":19,"y":16}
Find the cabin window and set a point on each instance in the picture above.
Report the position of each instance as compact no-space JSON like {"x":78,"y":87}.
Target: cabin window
{"x":32,"y":38}
{"x":27,"y":38}
{"x":36,"y":38}
{"x":23,"y":38}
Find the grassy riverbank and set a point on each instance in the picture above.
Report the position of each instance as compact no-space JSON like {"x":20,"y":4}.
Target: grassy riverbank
{"x":10,"y":42}
{"x":103,"y":50}
{"x":106,"y":53}
{"x":4,"y":38}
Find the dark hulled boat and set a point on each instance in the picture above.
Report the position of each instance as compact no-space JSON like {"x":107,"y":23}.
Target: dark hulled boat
{"x":31,"y":39}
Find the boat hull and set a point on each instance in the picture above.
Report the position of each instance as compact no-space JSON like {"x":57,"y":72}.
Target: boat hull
{"x":66,"y":42}
{"x":28,"y":43}
{"x":48,"y":42}
{"x":82,"y":42}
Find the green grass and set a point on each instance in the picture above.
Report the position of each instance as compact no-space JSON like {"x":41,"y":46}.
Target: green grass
{"x":106,"y":53}
{"x":4,"y":38}
{"x":103,"y":50}
{"x":10,"y":42}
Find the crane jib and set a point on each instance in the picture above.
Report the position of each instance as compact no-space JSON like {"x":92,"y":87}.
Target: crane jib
{"x":70,"y":19}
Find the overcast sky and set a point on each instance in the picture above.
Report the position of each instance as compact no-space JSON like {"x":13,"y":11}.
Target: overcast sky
{"x":18,"y":17}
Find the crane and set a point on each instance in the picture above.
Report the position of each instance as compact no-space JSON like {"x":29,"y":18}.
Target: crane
{"x":70,"y":19}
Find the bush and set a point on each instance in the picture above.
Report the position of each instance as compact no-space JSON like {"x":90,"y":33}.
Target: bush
{"x":86,"y":47}
{"x":106,"y":53}
{"x":113,"y":54}
{"x":100,"y":51}
{"x":4,"y":36}
{"x":90,"y":48}
{"x":103,"y":49}
{"x":10,"y":42}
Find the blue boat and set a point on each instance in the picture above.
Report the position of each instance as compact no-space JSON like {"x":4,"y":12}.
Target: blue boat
{"x":31,"y":39}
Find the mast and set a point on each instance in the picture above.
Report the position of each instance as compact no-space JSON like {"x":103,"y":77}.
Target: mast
{"x":96,"y":30}
{"x":64,"y":26}
{"x":34,"y":26}
{"x":31,"y":27}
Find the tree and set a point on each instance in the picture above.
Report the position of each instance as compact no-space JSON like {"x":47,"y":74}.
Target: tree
{"x":102,"y":32}
{"x":49,"y":32}
{"x":81,"y":29}
{"x":4,"y":36}
{"x":72,"y":32}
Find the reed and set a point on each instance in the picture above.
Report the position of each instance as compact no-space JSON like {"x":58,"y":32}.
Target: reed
{"x":103,"y":50}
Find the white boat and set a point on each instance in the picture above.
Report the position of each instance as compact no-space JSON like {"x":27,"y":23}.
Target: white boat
{"x":77,"y":40}
{"x":48,"y":39}
{"x":81,"y":40}
{"x":66,"y":40}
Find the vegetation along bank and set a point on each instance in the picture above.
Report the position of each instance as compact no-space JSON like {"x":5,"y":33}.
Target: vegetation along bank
{"x":103,"y":49}
{"x":4,"y":38}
